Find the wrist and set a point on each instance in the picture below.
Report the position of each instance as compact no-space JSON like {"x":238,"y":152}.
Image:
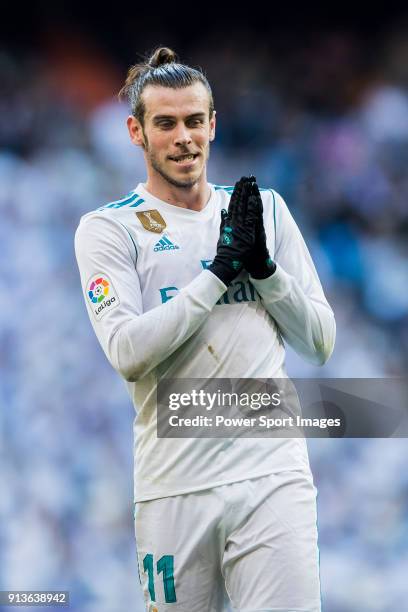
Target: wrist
{"x":262,"y":269}
{"x":225,"y":271}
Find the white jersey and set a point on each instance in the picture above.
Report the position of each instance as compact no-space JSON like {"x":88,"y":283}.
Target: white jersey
{"x":159,"y":313}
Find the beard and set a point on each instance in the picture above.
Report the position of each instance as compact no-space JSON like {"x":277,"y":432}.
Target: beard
{"x":157,"y":165}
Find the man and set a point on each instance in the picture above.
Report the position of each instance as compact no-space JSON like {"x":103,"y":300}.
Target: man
{"x":169,"y":295}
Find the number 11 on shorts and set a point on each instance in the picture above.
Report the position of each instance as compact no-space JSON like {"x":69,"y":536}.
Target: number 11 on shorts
{"x":166,"y":565}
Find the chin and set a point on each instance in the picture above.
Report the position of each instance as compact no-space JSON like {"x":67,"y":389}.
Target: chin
{"x":181,"y":181}
{"x":187,"y":180}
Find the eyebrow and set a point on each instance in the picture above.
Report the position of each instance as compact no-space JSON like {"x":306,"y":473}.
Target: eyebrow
{"x":194,"y":115}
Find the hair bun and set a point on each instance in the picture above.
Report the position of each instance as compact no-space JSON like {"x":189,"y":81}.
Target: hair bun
{"x":162,"y":55}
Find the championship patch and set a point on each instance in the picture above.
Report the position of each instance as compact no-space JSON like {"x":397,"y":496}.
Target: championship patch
{"x":152,"y":221}
{"x":101,"y":295}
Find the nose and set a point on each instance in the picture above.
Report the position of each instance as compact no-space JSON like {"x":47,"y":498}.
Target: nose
{"x":182,"y":135}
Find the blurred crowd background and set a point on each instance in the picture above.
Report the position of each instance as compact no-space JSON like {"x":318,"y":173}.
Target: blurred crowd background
{"x":319,"y":113}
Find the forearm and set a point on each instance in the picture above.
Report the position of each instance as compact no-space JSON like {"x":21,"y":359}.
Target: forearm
{"x":139,"y":344}
{"x":136,"y":341}
{"x":306,"y":322}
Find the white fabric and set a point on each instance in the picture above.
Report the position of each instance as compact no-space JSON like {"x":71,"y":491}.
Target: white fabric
{"x":166,"y":316}
{"x":259,"y":536}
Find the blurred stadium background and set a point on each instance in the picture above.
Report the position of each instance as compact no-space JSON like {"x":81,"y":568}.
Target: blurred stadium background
{"x":317,"y":107}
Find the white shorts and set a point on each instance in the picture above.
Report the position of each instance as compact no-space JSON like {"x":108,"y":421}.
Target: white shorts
{"x":256,"y":539}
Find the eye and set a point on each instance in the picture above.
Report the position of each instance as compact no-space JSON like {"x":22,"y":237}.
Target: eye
{"x":165,"y":124}
{"x":195,"y":121}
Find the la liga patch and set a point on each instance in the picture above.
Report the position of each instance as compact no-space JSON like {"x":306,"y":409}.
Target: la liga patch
{"x":101,"y":295}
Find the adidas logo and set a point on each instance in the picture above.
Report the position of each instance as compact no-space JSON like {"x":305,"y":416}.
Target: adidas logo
{"x":165,"y":244}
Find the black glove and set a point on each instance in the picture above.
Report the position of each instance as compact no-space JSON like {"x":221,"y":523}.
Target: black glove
{"x":237,"y":233}
{"x":259,"y":263}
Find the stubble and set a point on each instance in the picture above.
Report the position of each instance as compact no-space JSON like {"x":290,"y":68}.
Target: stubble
{"x":156,"y":165}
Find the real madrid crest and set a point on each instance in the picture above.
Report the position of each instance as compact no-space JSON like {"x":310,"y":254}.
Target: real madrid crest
{"x":152,"y":221}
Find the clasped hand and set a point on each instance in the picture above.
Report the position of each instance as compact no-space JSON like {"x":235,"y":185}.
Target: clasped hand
{"x":242,"y":241}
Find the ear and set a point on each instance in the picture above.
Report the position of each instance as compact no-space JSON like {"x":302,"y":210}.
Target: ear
{"x":212,"y":126}
{"x":135,"y":131}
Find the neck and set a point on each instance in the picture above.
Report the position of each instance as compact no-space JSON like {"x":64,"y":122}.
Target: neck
{"x":193,"y":198}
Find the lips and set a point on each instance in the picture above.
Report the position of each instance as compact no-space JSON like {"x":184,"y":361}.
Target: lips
{"x":186,"y":157}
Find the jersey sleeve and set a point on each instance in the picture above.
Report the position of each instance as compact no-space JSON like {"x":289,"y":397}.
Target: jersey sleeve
{"x":134,"y":341}
{"x":293,"y":295}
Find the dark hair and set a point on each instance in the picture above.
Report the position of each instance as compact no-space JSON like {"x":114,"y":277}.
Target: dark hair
{"x":161,"y":69}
